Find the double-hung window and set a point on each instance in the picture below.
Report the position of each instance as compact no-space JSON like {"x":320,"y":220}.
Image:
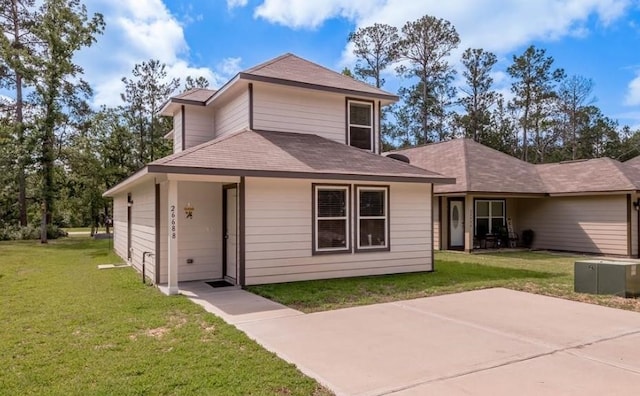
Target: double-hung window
{"x":360,"y":124}
{"x":331,"y":218}
{"x":490,"y":217}
{"x":372,"y":222}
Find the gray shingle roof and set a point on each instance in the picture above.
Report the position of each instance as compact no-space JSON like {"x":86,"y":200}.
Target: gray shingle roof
{"x":196,"y":95}
{"x":281,"y":154}
{"x":289,"y":67}
{"x":593,"y":175}
{"x":478,"y":168}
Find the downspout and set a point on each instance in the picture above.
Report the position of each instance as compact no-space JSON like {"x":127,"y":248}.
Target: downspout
{"x":144,"y":258}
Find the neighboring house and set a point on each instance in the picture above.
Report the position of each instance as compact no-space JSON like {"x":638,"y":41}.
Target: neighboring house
{"x":276,"y":177}
{"x":581,"y":206}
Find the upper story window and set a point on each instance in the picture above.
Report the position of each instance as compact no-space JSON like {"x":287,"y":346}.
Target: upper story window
{"x":360,"y":124}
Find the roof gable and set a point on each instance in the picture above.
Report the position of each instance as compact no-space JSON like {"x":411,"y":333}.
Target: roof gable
{"x":290,"y":69}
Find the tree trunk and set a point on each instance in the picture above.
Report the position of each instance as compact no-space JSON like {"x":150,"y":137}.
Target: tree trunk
{"x":19,"y":126}
{"x":47,"y":178}
{"x":19,"y":120}
{"x":43,"y":224}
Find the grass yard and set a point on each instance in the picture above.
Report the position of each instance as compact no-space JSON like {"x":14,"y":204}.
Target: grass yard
{"x":68,"y":328}
{"x":534,"y":272}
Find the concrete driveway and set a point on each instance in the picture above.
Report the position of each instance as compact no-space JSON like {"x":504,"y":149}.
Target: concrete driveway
{"x":487,"y":342}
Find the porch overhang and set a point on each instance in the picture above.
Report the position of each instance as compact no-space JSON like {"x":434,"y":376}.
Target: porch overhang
{"x":188,"y":170}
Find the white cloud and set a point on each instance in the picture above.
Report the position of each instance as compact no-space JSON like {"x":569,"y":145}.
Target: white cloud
{"x":311,"y":14}
{"x":632,"y":98}
{"x":136,"y":31}
{"x":495,"y":25}
{"x":230,"y":66}
{"x":236,"y":3}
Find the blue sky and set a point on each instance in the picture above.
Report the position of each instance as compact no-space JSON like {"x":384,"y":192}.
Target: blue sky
{"x":598,"y":39}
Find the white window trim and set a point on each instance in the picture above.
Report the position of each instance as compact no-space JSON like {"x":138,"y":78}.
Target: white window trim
{"x":385,"y":190}
{"x":490,"y":217}
{"x":346,"y":217}
{"x":349,"y":124}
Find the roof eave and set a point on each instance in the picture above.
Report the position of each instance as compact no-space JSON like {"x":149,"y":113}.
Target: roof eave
{"x":158,"y":168}
{"x":128,"y":182}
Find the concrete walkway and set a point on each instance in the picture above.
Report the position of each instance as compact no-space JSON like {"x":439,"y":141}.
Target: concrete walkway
{"x":233,"y":304}
{"x":488,"y":342}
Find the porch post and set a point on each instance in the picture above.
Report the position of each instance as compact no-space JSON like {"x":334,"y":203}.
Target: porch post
{"x":173,"y":232}
{"x":468,"y":224}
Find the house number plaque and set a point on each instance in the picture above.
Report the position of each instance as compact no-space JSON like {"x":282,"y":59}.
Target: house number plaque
{"x":172,"y":221}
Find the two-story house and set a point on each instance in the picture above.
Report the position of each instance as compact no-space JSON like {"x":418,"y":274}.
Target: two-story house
{"x":276,"y":177}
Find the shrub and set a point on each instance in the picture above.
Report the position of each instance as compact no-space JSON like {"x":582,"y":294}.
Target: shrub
{"x":16,"y":233}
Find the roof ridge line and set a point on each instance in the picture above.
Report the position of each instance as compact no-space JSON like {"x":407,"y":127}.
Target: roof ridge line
{"x":267,"y":63}
{"x":623,"y":169}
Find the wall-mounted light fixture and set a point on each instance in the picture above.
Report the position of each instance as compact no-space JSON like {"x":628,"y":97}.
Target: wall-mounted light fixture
{"x":636,"y":204}
{"x":188,"y":211}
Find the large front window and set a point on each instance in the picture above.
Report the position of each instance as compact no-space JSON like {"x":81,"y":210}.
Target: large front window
{"x":360,"y":124}
{"x":490,"y":217}
{"x":331,"y":218}
{"x":372,"y":218}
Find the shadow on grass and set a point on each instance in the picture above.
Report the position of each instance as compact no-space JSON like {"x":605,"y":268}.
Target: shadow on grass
{"x":80,"y":244}
{"x":533,"y":256}
{"x":449,"y":276}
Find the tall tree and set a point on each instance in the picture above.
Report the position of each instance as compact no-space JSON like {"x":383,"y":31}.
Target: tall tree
{"x":533,"y":85}
{"x":574,"y":94}
{"x":425,"y":45}
{"x":599,"y":136}
{"x":64,"y":29}
{"x":375,"y":48}
{"x":195,"y":82}
{"x":144,"y":94}
{"x":504,"y":136}
{"x":17,"y":46}
{"x":479,"y":96}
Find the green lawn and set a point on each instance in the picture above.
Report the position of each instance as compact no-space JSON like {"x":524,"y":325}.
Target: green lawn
{"x":534,"y":272}
{"x":68,"y":328}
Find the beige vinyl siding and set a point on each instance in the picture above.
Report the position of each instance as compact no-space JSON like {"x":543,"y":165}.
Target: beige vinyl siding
{"x":198,"y":125}
{"x":288,"y":109}
{"x":596,"y":224}
{"x":177,"y":132}
{"x":199,"y":238}
{"x":120,"y":225}
{"x":279,"y":236}
{"x":143,"y":234}
{"x":232,"y":115}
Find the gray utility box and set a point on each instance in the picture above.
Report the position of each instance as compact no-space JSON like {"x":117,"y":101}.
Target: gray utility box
{"x":621,"y":278}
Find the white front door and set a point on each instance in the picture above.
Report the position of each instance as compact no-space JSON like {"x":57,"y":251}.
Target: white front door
{"x":456,"y":224}
{"x":231,"y":234}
